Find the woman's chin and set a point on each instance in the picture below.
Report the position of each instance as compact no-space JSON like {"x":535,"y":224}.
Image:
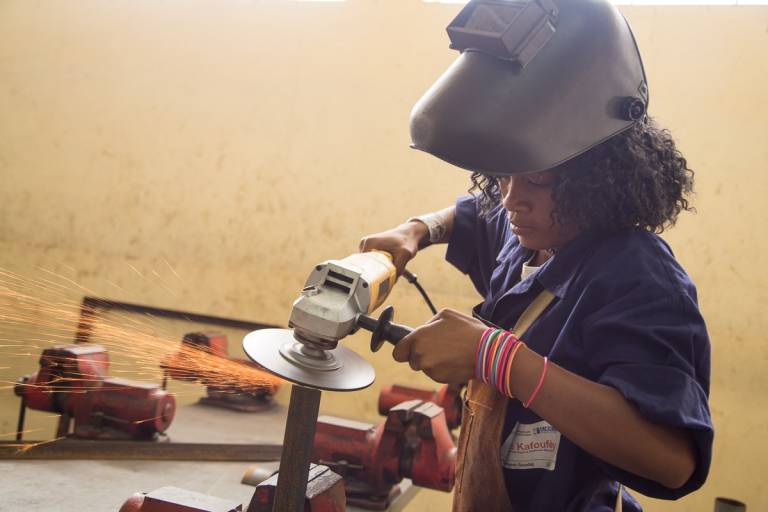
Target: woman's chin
{"x":530,"y":243}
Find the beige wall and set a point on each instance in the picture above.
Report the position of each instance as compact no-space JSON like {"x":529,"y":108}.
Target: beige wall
{"x":242,"y":142}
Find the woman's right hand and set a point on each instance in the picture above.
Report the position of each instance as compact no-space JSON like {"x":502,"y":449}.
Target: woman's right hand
{"x":402,"y":242}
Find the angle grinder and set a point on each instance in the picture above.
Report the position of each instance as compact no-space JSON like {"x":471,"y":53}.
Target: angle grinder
{"x":337,"y":300}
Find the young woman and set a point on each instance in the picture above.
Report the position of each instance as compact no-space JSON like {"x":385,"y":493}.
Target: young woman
{"x":588,"y":360}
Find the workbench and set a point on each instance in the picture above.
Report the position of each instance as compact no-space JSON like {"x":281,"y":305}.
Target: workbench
{"x":103,"y":485}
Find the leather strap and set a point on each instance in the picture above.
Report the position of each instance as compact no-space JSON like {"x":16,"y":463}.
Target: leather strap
{"x":532,"y":312}
{"x":480,"y":439}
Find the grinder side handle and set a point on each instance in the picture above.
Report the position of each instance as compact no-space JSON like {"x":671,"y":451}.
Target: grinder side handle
{"x":383,"y":328}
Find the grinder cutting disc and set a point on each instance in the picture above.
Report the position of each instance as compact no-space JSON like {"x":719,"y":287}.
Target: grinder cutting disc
{"x":278,"y":352}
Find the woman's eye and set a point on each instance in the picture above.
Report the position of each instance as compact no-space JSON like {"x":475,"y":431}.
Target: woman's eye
{"x":540,"y":182}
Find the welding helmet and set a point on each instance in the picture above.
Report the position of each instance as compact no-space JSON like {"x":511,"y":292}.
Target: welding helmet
{"x":536,"y":83}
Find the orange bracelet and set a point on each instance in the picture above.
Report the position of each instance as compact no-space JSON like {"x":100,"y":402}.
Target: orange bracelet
{"x":508,"y":370}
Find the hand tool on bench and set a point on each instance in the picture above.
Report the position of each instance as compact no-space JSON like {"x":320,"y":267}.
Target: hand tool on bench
{"x":448,"y":396}
{"x":193,"y":361}
{"x":413,"y":442}
{"x":72,"y":381}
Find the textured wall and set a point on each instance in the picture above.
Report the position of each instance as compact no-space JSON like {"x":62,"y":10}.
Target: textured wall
{"x":242,"y":142}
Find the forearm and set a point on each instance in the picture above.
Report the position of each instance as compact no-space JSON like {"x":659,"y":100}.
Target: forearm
{"x":444,"y":217}
{"x":602,"y":422}
{"x":405,"y":240}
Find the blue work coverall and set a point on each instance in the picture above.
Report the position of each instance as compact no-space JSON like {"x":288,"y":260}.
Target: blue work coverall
{"x":625,"y":315}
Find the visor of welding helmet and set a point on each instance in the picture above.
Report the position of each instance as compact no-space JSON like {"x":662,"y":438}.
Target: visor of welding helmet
{"x":537,"y":83}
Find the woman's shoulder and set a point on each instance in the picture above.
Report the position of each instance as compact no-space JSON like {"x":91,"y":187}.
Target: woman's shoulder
{"x":638,"y":259}
{"x":644,"y":243}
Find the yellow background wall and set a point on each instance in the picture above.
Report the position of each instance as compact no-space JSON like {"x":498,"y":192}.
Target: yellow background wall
{"x":241,"y":142}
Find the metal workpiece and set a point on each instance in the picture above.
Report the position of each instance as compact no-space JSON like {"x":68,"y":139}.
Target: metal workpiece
{"x":280,"y":353}
{"x":297,"y":449}
{"x":68,"y":449}
{"x":324,"y":493}
{"x":729,"y":505}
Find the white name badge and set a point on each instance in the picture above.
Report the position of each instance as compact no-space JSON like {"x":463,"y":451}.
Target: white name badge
{"x":531,"y":446}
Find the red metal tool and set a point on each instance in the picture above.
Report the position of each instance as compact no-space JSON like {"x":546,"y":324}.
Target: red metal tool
{"x":325,"y":493}
{"x":173,"y":499}
{"x":72,"y":381}
{"x":185,"y":365}
{"x":413,"y":442}
{"x":448,"y":397}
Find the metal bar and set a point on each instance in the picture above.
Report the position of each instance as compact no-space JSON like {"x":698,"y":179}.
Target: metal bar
{"x":20,"y":424}
{"x":729,"y":505}
{"x":86,"y":320}
{"x":297,"y":449}
{"x":70,"y":449}
{"x":91,"y":304}
{"x":65,"y":420}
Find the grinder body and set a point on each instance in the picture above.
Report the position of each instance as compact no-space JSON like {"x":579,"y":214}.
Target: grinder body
{"x":336,"y":292}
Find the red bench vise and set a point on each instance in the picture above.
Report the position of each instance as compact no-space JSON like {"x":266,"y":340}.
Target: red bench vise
{"x":448,"y":397}
{"x":185,"y":365}
{"x":174,"y":499}
{"x":72,"y":381}
{"x":413,"y":442}
{"x":325,"y":493}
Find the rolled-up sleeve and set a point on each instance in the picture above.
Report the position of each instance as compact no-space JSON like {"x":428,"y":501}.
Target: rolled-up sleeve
{"x":656,"y":353}
{"x":476,"y":241}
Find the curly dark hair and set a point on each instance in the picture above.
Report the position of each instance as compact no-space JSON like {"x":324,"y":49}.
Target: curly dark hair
{"x":635,"y":180}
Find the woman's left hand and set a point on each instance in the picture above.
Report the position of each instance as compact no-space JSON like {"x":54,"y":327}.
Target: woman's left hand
{"x":444,"y":348}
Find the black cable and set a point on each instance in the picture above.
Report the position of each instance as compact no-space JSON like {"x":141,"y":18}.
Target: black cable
{"x":411,"y":277}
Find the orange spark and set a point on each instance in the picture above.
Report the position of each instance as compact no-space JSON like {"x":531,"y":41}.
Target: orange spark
{"x":45,"y":304}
